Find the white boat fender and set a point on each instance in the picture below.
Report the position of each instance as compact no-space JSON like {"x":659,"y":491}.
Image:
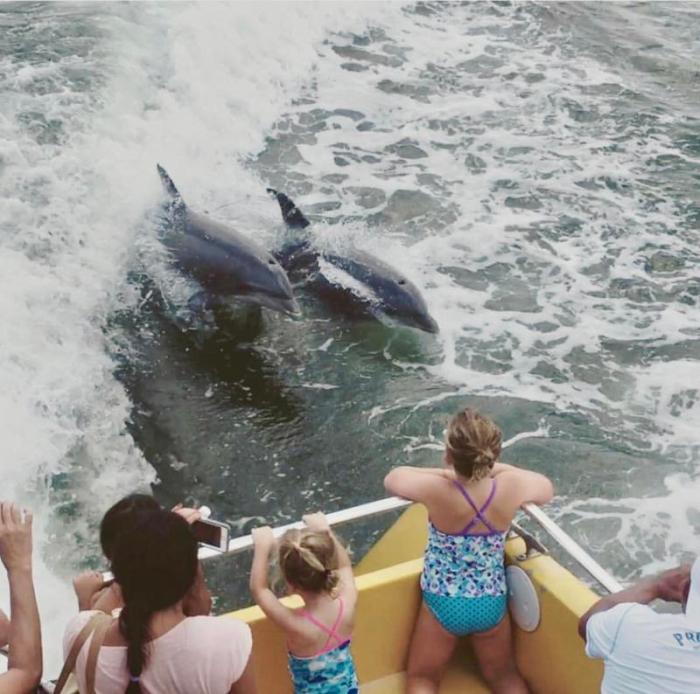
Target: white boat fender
{"x":523,"y":601}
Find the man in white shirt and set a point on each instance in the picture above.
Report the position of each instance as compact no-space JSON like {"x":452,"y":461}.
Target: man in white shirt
{"x":646,"y":652}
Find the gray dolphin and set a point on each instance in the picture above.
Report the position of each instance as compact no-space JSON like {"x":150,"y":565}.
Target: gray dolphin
{"x":225,"y":263}
{"x":362,"y":283}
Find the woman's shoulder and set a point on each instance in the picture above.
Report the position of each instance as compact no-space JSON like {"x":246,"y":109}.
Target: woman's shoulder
{"x":219,"y":628}
{"x":75,"y":626}
{"x":79,"y":620}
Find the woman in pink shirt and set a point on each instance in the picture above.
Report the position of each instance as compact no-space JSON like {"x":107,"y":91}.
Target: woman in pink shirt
{"x":152,"y":647}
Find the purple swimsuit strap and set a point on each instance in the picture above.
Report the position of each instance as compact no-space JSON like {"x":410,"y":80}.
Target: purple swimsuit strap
{"x":479,"y":512}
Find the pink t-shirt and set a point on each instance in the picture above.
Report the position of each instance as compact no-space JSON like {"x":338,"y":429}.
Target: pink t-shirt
{"x":201,"y":654}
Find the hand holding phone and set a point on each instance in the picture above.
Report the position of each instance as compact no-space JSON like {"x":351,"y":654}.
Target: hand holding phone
{"x":211,"y":533}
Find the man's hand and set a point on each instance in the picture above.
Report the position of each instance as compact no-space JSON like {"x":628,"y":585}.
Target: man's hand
{"x":673,"y":583}
{"x":316,"y":522}
{"x":15,"y":538}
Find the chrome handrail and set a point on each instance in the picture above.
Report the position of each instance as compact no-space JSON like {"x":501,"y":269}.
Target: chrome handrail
{"x":573,"y":549}
{"x":335,"y":518}
{"x":393,"y":503}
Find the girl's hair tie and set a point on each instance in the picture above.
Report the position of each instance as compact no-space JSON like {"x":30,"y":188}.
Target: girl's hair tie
{"x":134,"y":679}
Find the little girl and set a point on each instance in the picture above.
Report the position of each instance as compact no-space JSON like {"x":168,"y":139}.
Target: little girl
{"x":471,"y":502}
{"x":317,"y":567}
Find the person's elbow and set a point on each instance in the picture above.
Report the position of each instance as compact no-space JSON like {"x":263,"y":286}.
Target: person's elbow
{"x":392,"y":481}
{"x":35,"y":672}
{"x":599,"y":606}
{"x":4,"y":629}
{"x":547,"y":491}
{"x":582,"y":625}
{"x":22,"y":679}
{"x":542,"y":492}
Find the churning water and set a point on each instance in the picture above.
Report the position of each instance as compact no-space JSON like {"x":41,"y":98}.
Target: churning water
{"x":532,"y":167}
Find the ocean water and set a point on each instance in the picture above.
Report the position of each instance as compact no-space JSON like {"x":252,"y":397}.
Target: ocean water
{"x":533,"y":168}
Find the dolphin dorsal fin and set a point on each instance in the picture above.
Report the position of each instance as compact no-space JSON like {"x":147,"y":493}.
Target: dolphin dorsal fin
{"x":177,"y":204}
{"x":290,"y":212}
{"x":168,"y":182}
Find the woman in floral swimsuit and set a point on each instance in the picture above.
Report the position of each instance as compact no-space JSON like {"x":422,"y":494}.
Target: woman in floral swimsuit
{"x":471,"y":502}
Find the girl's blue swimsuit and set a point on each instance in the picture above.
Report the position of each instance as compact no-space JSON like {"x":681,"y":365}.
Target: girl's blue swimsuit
{"x":331,"y":670}
{"x":463,"y":579}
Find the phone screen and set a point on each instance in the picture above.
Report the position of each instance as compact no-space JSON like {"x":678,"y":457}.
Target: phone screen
{"x":207,"y":533}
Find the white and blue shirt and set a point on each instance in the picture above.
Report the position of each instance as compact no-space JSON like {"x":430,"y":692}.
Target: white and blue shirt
{"x":645,"y":652}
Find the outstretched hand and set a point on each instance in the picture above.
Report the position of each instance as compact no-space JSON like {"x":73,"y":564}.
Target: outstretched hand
{"x":191,"y":515}
{"x":316,"y":522}
{"x":15,"y":537}
{"x":263,"y":537}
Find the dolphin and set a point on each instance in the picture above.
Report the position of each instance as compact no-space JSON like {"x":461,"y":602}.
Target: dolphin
{"x":225,"y":263}
{"x":356,"y":283}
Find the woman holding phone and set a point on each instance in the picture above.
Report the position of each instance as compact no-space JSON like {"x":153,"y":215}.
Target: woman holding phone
{"x":89,"y":586}
{"x":153,"y":642}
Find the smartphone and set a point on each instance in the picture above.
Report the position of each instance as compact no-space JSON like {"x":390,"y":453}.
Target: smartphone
{"x":211,"y":533}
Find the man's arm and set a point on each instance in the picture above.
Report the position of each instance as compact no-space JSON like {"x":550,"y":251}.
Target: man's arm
{"x":668,"y":586}
{"x":24,"y":662}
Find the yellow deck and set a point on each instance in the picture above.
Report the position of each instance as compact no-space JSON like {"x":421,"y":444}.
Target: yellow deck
{"x":551,"y":658}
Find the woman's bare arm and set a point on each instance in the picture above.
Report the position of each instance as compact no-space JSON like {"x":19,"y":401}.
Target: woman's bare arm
{"x":245,"y":684}
{"x":24,"y":661}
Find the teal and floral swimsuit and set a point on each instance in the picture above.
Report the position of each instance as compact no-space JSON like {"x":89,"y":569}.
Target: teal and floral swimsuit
{"x":463,"y":579}
{"x":331,"y":670}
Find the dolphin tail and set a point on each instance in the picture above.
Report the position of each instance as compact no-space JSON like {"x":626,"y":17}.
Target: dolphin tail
{"x":291,"y":214}
{"x":168,"y":184}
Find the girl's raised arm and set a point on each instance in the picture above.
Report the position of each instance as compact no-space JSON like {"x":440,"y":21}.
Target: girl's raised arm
{"x":319,"y":523}
{"x":263,"y":542}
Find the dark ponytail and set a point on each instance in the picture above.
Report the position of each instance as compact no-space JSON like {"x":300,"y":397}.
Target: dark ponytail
{"x":133,"y":623}
{"x":155,"y":565}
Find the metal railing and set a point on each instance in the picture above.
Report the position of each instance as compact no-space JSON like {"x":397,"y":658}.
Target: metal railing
{"x":573,"y":549}
{"x":392,"y":503}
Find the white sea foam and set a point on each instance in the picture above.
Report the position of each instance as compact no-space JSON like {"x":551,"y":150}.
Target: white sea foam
{"x":557,"y":205}
{"x":191,"y":86}
{"x":508,"y":155}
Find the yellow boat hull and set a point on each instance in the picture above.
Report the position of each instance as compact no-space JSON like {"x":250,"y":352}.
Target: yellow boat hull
{"x":551,"y":658}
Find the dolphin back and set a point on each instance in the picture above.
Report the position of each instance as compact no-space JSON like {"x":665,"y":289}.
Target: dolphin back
{"x":291,"y":214}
